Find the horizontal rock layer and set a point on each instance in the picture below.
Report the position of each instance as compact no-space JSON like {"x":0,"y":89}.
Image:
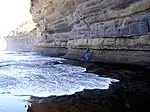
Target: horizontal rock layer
{"x":108,"y":26}
{"x":73,"y":19}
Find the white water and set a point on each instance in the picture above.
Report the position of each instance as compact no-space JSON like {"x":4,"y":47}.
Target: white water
{"x":24,"y":73}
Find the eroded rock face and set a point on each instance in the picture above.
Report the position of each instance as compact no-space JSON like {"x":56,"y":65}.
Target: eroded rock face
{"x":24,"y":37}
{"x":97,"y":24}
{"x":91,"y":18}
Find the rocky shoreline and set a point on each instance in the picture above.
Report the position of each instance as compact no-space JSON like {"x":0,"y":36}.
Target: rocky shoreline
{"x":116,"y":31}
{"x":131,"y":94}
{"x":122,"y":56}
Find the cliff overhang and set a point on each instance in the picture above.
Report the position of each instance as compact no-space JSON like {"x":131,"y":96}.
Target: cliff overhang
{"x":114,"y":30}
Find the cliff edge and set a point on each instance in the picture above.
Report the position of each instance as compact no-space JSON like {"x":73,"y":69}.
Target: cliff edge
{"x":116,"y":31}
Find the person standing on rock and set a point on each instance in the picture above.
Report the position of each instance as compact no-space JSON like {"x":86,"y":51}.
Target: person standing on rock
{"x":85,"y":56}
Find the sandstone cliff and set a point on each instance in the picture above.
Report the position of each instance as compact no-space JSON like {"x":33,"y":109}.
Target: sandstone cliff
{"x":114,"y":30}
{"x":24,"y":37}
{"x":26,"y":28}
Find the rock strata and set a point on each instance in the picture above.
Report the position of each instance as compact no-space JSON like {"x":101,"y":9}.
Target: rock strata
{"x":117,"y":28}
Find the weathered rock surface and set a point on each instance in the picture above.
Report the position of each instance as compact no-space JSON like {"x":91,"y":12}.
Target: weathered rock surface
{"x":96,"y":18}
{"x":112,"y":29}
{"x":130,"y":94}
{"x":115,"y":31}
{"x":24,"y":37}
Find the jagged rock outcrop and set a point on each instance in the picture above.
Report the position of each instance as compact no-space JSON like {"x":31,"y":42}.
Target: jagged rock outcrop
{"x":24,"y":37}
{"x":26,"y":28}
{"x":114,"y":30}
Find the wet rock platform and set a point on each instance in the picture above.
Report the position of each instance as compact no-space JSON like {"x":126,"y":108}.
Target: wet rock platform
{"x":130,"y":94}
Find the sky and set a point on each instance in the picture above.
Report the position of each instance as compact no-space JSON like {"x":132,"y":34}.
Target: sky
{"x":12,"y":14}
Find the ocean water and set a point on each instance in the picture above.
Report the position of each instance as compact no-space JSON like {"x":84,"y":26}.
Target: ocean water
{"x":25,"y":74}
